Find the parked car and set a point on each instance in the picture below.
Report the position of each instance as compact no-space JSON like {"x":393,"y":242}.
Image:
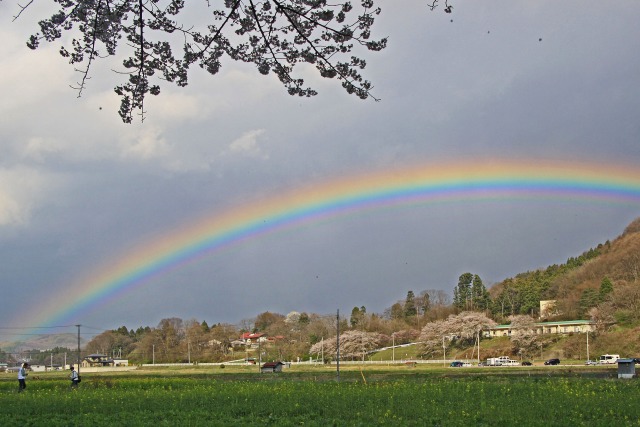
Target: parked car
{"x":552,"y":362}
{"x":456,"y":364}
{"x":526,"y":363}
{"x":591,"y":362}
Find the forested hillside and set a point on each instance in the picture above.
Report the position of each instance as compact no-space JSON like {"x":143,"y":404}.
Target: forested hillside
{"x":602,"y":278}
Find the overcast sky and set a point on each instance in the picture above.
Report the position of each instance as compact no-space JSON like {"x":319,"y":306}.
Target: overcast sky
{"x":494,"y":79}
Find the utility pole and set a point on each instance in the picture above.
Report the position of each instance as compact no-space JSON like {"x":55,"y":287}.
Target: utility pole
{"x":78,"y":360}
{"x":338,"y":345}
{"x":393,"y":347}
{"x":444,"y":353}
{"x":588,"y":345}
{"x":153,"y":354}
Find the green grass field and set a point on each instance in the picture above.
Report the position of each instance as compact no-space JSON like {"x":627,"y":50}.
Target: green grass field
{"x":312,"y":396}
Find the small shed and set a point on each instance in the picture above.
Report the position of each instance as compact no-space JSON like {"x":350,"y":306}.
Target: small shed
{"x":626,"y":368}
{"x":272,"y":367}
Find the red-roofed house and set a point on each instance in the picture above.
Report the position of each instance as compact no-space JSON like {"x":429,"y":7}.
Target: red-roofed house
{"x":251,"y":339}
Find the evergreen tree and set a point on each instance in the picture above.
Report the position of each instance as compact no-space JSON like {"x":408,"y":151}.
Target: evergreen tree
{"x":205,"y":326}
{"x":410,"y":305}
{"x":480,"y":295}
{"x":606,"y":287}
{"x":456,"y":298}
{"x":588,"y":299}
{"x":463,"y":297}
{"x":356,"y":317}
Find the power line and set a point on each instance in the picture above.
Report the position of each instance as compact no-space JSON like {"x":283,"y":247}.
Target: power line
{"x":21,"y":334}
{"x":26,"y":334}
{"x":36,"y":327}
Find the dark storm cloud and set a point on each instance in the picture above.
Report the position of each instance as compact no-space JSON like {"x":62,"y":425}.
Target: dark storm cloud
{"x":78,"y":187}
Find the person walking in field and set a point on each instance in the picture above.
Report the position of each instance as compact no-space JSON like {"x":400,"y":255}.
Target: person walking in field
{"x":75,"y":378}
{"x":22,"y":376}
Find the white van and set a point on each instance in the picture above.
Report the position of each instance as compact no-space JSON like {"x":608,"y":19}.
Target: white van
{"x":609,"y":359}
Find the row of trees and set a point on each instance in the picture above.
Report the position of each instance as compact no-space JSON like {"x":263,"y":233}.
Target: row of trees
{"x":295,"y":335}
{"x":429,"y":316}
{"x":176,"y":340}
{"x":522,"y":294}
{"x":471,"y":294}
{"x":56,"y":356}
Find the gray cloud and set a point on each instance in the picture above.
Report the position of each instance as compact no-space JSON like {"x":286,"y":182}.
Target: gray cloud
{"x":77,"y":187}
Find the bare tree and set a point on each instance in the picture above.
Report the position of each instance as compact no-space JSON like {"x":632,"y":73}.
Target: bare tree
{"x":625,"y":299}
{"x":632,"y":266}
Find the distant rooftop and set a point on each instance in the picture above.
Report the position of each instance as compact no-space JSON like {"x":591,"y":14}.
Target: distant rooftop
{"x":557,"y":323}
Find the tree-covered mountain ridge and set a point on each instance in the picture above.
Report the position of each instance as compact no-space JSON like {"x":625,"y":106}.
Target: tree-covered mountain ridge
{"x":601,"y":284}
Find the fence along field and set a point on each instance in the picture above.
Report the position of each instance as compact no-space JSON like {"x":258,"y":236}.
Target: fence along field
{"x":369,"y":397}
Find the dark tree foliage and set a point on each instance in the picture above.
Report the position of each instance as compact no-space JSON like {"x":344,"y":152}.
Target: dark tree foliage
{"x":355,"y":316}
{"x":410,"y":305}
{"x":462,"y":293}
{"x":522,"y":293}
{"x":157,"y":44}
{"x":588,"y":299}
{"x":479,"y":295}
{"x":606,"y":287}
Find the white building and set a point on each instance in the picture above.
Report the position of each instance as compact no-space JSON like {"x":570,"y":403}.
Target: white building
{"x":559,"y":327}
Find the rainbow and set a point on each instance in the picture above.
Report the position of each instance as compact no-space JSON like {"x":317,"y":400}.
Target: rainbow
{"x":476,"y":180}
